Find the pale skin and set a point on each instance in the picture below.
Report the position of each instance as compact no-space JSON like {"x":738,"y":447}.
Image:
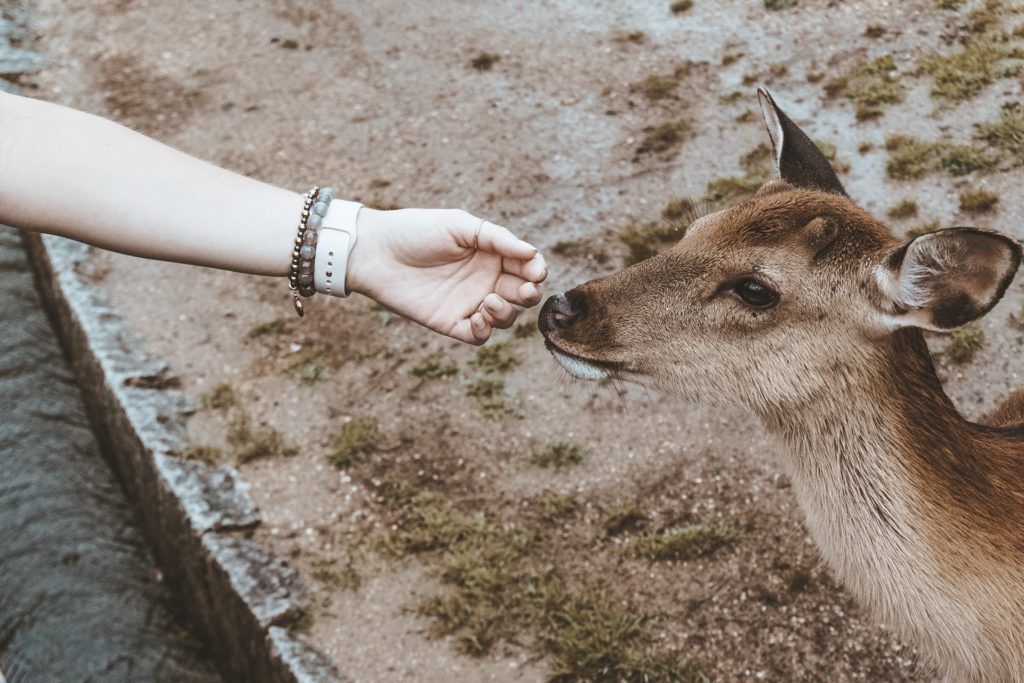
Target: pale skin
{"x":76,"y":175}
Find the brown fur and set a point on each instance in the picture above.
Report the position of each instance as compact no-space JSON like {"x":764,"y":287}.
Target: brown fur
{"x":919,"y":511}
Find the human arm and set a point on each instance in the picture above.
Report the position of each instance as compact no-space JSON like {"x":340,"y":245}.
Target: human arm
{"x":80,"y":176}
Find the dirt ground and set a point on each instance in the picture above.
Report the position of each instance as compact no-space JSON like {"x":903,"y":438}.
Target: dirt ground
{"x":554,"y":139}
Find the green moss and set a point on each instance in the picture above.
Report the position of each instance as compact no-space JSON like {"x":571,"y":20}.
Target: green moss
{"x":906,"y":208}
{"x":644,"y":240}
{"x":494,"y":586}
{"x":911,"y":158}
{"x":495,"y":357}
{"x":484,"y":61}
{"x":922,"y":229}
{"x":1007,"y":133}
{"x":312,"y":364}
{"x":865,"y":147}
{"x":870,"y":85}
{"x":356,"y":439}
{"x":964,"y":74}
{"x":874,"y":31}
{"x":268,"y":329}
{"x":757,"y":166}
{"x":623,"y":518}
{"x":685,"y":543}
{"x":680,"y":6}
{"x":664,"y":138}
{"x":525,"y":330}
{"x":949,"y":4}
{"x":635,"y":37}
{"x":658,"y":87}
{"x":746,"y":117}
{"x":964,"y":344}
{"x":248,"y":443}
{"x":592,"y":636}
{"x":211,"y":455}
{"x":559,"y":455}
{"x":221,"y":397}
{"x":434,"y":366}
{"x":775,"y":5}
{"x":731,"y":58}
{"x":552,"y":506}
{"x":337,"y":576}
{"x":490,"y":397}
{"x":978,"y":200}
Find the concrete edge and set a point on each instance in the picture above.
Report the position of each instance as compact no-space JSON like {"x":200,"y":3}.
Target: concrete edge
{"x":196,"y":517}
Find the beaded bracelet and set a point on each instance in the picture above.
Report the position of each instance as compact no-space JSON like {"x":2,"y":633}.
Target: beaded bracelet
{"x":300,"y":279}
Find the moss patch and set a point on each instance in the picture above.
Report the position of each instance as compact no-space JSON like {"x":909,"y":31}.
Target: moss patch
{"x":644,"y":240}
{"x":911,"y":158}
{"x":757,"y":166}
{"x":680,"y":6}
{"x":356,"y":439}
{"x":337,"y":576}
{"x":484,"y":61}
{"x":495,"y":357}
{"x":964,"y":74}
{"x":1006,"y":134}
{"x":268,"y":329}
{"x":496,"y":587}
{"x":978,"y":200}
{"x":870,"y":85}
{"x":433,"y":366}
{"x":906,"y":208}
{"x":221,"y":397}
{"x":249,"y":443}
{"x":664,"y":138}
{"x":685,"y":543}
{"x":211,"y":455}
{"x":775,"y":5}
{"x":964,"y":344}
{"x":312,"y":364}
{"x":489,"y":395}
{"x":623,"y":518}
{"x":559,"y":455}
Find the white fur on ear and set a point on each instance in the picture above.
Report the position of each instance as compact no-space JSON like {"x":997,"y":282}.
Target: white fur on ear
{"x":771,"y":121}
{"x":945,"y":279}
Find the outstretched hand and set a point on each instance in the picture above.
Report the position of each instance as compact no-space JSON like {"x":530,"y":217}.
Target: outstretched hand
{"x":436,"y":268}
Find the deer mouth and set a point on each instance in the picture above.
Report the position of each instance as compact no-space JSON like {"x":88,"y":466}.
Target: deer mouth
{"x":580,"y":366}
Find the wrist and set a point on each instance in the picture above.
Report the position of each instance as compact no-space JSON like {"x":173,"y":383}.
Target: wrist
{"x":361,"y":265}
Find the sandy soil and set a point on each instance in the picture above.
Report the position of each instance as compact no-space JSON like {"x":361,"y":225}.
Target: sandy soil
{"x":379,"y":100}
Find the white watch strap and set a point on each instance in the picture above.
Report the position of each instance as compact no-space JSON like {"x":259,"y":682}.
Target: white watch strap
{"x":334,"y":245}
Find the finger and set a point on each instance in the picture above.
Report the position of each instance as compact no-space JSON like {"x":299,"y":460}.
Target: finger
{"x":480,"y":328}
{"x":498,"y":312}
{"x":468,"y":330}
{"x":534,"y":269}
{"x":517,"y":291}
{"x":492,"y":238}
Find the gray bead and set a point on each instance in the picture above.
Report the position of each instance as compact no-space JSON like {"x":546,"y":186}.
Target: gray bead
{"x":305,"y":279}
{"x":307,"y":251}
{"x":305,"y":266}
{"x":320,"y":208}
{"x":310,"y":237}
{"x":314,"y":221}
{"x":326,"y":195}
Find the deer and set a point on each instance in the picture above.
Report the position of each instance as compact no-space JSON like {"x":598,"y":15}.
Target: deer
{"x":800,"y":306}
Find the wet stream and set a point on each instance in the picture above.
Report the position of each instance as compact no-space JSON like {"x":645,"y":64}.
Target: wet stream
{"x":79,"y":594}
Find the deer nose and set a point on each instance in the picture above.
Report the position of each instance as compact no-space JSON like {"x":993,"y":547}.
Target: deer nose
{"x":560,"y":312}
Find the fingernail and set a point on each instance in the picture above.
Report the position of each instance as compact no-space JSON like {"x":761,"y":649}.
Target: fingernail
{"x":477,"y":321}
{"x":531,"y":291}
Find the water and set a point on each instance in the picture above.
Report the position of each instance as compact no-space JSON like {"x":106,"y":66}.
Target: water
{"x":79,"y":598}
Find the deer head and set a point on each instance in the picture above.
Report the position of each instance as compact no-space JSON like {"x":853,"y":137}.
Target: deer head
{"x":775,"y":301}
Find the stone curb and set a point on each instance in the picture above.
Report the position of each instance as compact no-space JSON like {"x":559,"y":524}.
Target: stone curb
{"x":196,"y":516}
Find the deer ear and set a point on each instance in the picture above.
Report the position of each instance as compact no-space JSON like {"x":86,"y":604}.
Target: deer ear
{"x":797,"y":160}
{"x":947,"y":278}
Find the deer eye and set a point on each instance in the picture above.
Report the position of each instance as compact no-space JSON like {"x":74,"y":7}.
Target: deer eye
{"x":755,"y":294}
